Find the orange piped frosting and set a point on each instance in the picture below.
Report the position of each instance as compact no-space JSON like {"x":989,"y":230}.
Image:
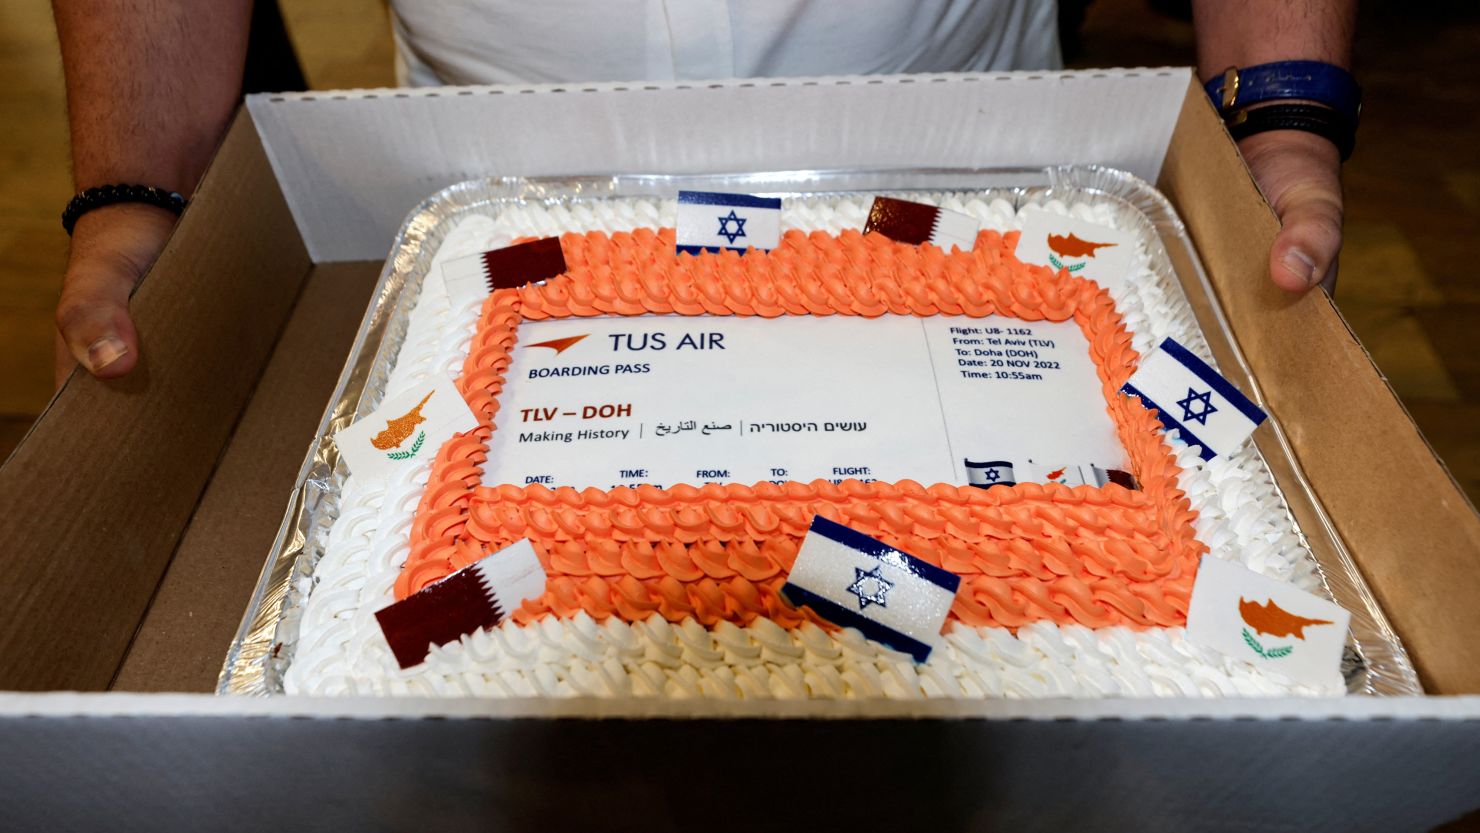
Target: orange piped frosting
{"x":1098,"y":557}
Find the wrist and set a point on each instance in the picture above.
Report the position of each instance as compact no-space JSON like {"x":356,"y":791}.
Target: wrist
{"x":93,"y":199}
{"x":1316,"y":148}
{"x":1312,"y":96}
{"x":1288,"y":117}
{"x":1312,"y":82}
{"x":131,"y":233}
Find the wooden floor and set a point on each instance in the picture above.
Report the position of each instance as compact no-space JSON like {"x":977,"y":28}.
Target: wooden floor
{"x":1408,"y":283}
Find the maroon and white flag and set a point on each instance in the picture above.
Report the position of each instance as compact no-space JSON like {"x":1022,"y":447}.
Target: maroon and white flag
{"x":476,"y":597}
{"x":916,"y":223}
{"x":476,"y":276}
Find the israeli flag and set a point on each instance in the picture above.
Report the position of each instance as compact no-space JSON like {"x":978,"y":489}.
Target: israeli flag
{"x":1192,"y":399}
{"x":712,"y":222}
{"x":990,"y":473}
{"x":855,"y":581}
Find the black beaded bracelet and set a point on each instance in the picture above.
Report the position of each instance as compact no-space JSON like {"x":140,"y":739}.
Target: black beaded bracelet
{"x":113,"y":194}
{"x":1311,"y":118}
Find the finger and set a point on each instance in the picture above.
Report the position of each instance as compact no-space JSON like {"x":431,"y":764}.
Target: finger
{"x":1305,"y":249}
{"x":93,"y":319}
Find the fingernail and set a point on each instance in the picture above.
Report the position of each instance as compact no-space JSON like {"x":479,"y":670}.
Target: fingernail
{"x":1301,"y":266}
{"x":103,"y":352}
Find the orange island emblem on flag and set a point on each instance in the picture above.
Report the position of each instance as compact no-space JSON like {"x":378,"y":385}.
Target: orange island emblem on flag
{"x":399,"y":429}
{"x":1272,"y":620}
{"x":1072,"y":246}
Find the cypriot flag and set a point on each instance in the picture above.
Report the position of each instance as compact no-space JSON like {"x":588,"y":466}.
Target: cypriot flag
{"x":406,"y":428}
{"x":1067,"y":475}
{"x":1087,"y":250}
{"x":1269,"y":623}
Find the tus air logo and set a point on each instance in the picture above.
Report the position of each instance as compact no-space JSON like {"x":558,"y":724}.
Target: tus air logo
{"x":560,"y":345}
{"x":1070,"y":246}
{"x":1269,"y":619}
{"x":399,"y":430}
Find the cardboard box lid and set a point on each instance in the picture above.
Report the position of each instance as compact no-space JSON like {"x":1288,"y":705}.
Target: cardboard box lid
{"x":353,"y":163}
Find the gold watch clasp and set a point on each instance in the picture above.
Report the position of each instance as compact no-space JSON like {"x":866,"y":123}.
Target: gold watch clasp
{"x":1230,"y":87}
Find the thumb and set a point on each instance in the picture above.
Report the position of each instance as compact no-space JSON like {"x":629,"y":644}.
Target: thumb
{"x":112,"y":247}
{"x":92,"y":315}
{"x":1305,"y":250}
{"x":1300,"y":174}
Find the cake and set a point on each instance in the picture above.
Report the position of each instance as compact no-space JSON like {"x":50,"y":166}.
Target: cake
{"x":674,"y":591}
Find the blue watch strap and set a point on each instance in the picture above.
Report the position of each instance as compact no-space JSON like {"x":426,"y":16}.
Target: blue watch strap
{"x":1323,"y":83}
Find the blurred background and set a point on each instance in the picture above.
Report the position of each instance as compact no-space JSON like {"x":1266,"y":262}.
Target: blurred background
{"x":1407,"y":286}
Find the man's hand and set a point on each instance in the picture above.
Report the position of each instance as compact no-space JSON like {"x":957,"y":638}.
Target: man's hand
{"x":1300,"y":174}
{"x":112,"y":248}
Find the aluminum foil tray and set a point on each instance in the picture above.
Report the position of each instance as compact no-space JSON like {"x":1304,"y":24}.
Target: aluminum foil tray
{"x":1375,"y":661}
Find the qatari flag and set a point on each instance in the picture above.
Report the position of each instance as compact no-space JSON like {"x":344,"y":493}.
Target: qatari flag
{"x":1117,"y":476}
{"x":477,"y":596}
{"x":476,"y":276}
{"x":916,"y":223}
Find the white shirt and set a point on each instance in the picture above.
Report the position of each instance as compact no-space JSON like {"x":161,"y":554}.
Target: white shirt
{"x":562,"y":41}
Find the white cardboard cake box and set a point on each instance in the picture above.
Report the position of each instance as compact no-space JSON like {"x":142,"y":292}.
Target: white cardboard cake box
{"x":136,"y":514}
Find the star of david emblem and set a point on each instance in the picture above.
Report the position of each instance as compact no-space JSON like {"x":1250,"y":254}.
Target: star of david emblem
{"x":870,"y":587}
{"x":1197,"y":406}
{"x":992,"y":476}
{"x":731,"y":234}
